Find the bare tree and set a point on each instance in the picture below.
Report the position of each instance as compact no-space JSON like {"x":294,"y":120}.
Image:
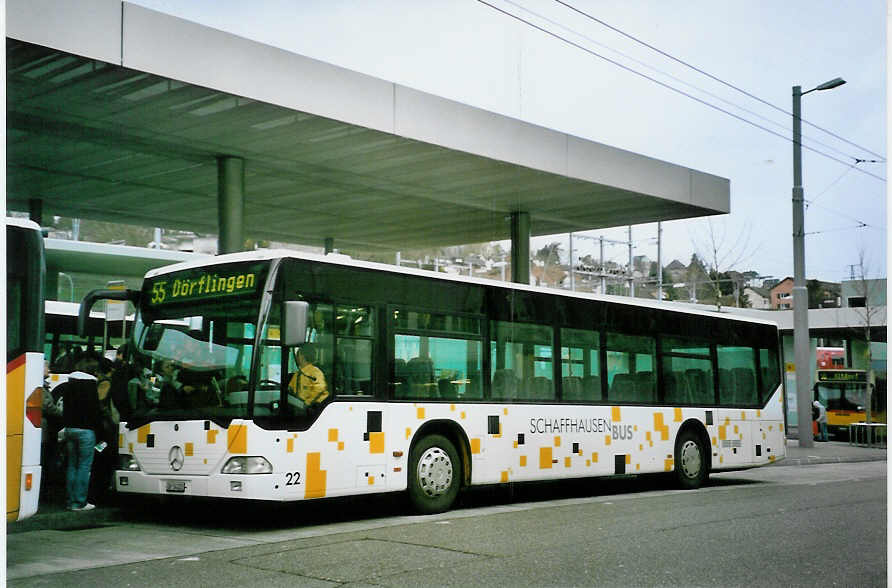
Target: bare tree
{"x":867,"y":290}
{"x":721,"y":252}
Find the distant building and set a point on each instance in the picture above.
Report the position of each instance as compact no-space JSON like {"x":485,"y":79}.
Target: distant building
{"x":759,"y":298}
{"x":820,"y":294}
{"x":676,"y":271}
{"x":782,"y":295}
{"x":861,"y":293}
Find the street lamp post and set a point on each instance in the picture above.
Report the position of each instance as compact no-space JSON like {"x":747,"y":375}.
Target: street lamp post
{"x":801,"y":346}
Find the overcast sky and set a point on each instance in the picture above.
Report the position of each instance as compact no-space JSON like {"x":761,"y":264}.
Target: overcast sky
{"x":467,"y":51}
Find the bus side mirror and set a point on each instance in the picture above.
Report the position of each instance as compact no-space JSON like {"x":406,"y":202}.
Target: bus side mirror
{"x":93,"y":296}
{"x":295,"y":331}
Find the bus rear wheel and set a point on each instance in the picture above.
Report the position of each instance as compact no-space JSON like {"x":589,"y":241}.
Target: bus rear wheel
{"x":434,"y":474}
{"x":691,"y":465}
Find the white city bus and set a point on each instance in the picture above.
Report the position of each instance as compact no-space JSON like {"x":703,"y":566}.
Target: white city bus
{"x":434,"y":383}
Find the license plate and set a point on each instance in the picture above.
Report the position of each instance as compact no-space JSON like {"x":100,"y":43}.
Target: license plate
{"x":176,"y":485}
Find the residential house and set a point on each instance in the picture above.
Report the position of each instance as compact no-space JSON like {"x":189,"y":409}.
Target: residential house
{"x":759,"y":298}
{"x":781,"y":295}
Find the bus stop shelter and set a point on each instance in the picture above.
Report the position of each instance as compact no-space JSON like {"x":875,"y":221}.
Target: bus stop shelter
{"x":136,"y":116}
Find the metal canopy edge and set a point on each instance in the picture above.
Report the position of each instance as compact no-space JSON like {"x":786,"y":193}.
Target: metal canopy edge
{"x":122,"y":118}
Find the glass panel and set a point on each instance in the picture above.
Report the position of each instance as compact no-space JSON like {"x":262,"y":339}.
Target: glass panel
{"x":688,"y":381}
{"x":630,"y":361}
{"x":355,"y":321}
{"x":425,"y":321}
{"x":737,"y":376}
{"x":354,"y":373}
{"x":196,"y":361}
{"x":14,"y":339}
{"x":521,"y":361}
{"x":768,"y":362}
{"x":309,"y":383}
{"x":436,"y":368}
{"x":319,"y":332}
{"x":580,"y":365}
{"x":267,"y":397}
{"x":684,"y":345}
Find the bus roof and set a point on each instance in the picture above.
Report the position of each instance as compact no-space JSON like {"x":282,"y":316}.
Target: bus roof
{"x":344,"y":260}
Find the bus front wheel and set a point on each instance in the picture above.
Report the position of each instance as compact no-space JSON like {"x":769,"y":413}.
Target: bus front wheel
{"x":434,"y":474}
{"x":691,"y":460}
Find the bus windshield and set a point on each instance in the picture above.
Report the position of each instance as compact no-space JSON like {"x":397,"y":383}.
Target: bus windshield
{"x":842,"y":396}
{"x":193,"y":355}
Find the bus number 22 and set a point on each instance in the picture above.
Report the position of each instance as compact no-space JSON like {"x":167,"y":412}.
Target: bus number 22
{"x":292,"y":479}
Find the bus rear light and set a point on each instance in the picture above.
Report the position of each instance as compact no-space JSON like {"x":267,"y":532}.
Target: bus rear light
{"x":247,"y":465}
{"x":33,"y":406}
{"x":29,"y":480}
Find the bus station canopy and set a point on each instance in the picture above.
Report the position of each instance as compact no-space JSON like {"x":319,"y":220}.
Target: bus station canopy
{"x":125,"y":116}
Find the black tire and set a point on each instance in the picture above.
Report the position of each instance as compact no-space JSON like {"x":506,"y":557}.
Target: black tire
{"x":434,"y":474}
{"x":691,"y":460}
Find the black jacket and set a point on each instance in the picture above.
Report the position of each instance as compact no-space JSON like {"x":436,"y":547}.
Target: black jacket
{"x":80,"y":402}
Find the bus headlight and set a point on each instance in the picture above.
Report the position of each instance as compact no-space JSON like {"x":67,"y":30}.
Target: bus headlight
{"x":128,"y":462}
{"x":247,"y":465}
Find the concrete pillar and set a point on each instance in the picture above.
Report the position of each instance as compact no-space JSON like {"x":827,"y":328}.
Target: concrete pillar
{"x":35,"y":210}
{"x":520,"y":247}
{"x":231,"y":204}
{"x":329,"y":245}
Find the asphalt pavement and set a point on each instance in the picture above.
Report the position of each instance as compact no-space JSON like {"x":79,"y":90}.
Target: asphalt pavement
{"x":53,"y":515}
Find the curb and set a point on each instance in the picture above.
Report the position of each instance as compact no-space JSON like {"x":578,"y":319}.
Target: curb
{"x":66,"y":521}
{"x":812,"y":460}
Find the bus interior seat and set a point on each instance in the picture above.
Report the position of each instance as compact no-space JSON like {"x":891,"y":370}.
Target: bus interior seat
{"x":592,"y":386}
{"x":727,"y":388}
{"x":744,"y":385}
{"x":574,"y":389}
{"x":622,"y":387}
{"x":400,"y":382}
{"x":504,"y":384}
{"x":420,"y":375}
{"x":446,"y":389}
{"x":645,"y":386}
{"x":541,"y":389}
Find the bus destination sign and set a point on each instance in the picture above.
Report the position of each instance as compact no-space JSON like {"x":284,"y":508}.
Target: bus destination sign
{"x":205,"y":284}
{"x":841,"y":376}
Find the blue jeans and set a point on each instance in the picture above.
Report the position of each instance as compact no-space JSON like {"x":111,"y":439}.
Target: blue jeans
{"x":822,"y":427}
{"x":79,"y":444}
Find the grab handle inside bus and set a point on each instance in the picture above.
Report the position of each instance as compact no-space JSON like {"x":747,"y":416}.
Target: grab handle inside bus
{"x":102,"y":294}
{"x":295,"y":331}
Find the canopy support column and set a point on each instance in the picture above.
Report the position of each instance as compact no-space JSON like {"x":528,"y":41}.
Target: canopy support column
{"x":231,"y":204}
{"x":520,"y":247}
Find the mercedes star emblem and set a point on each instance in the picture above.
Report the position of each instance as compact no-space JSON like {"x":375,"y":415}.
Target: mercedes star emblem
{"x":176,"y":457}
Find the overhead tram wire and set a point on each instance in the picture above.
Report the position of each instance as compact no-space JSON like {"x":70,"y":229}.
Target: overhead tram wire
{"x":715,"y":78}
{"x":860,"y":222}
{"x":679,"y":80}
{"x":669,"y":87}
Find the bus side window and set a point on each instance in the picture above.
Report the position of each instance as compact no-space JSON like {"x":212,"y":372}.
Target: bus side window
{"x":737,"y":376}
{"x":526,"y":350}
{"x":436,"y":356}
{"x":581,"y":365}
{"x":355,"y":329}
{"x":630,"y":368}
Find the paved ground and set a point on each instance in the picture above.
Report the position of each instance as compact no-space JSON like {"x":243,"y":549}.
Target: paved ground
{"x":52,"y":514}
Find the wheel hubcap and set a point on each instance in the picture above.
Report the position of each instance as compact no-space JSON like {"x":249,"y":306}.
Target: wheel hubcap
{"x":434,"y":472}
{"x":690,"y":459}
